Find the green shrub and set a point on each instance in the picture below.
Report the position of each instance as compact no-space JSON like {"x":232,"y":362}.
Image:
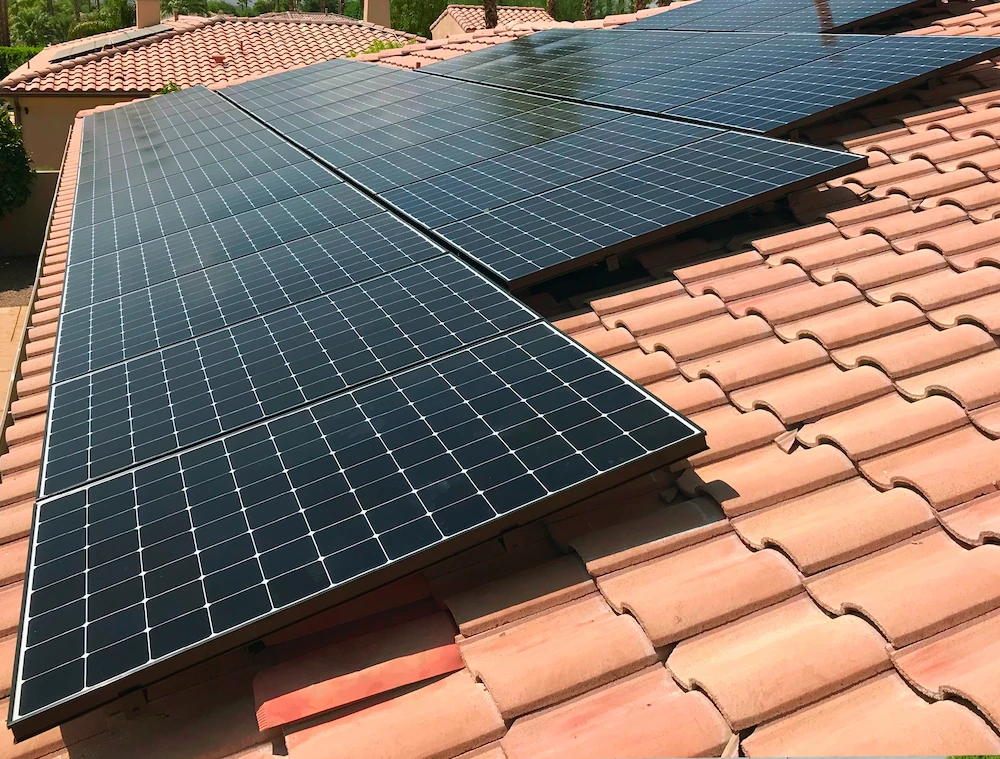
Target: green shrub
{"x":33,"y":26}
{"x":16,"y":174}
{"x":377,"y":47}
{"x":168,"y":88}
{"x":87,"y":28}
{"x":13,"y":57}
{"x":118,"y":14}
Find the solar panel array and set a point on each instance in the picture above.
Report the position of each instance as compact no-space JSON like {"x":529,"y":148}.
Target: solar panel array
{"x":525,"y":185}
{"x":816,"y":16}
{"x":270,"y":394}
{"x":754,"y":81}
{"x":109,"y":41}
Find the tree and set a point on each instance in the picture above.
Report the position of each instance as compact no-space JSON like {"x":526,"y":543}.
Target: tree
{"x":4,"y":24}
{"x":588,"y":9}
{"x":490,"y":13}
{"x":639,"y":5}
{"x":16,"y":174}
{"x":118,"y":14}
{"x":551,"y":8}
{"x":33,"y":26}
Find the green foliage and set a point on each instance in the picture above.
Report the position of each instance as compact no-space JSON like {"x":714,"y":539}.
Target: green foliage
{"x":87,"y":28}
{"x":33,"y":26}
{"x":415,"y":16}
{"x":118,"y":14}
{"x":13,"y":57}
{"x":221,"y":6}
{"x":262,"y":6}
{"x":377,"y":47}
{"x":185,"y":7}
{"x":16,"y":174}
{"x":168,"y":88}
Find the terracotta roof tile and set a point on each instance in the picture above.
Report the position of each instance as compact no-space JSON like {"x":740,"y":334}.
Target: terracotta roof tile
{"x":883,"y":268}
{"x":519,"y":595}
{"x":183,"y":55}
{"x":471,"y":17}
{"x":766,"y":476}
{"x":947,"y":470}
{"x":987,"y":419}
{"x":768,"y":246}
{"x":707,"y":336}
{"x":941,"y":288}
{"x":730,"y":432}
{"x":984,"y":311}
{"x":670,"y":597}
{"x":557,"y":654}
{"x":973,"y":382}
{"x":605,"y":342}
{"x":755,"y":363}
{"x":798,"y":302}
{"x":441,"y":719}
{"x":688,"y":397}
{"x":660,"y":315}
{"x":916,"y":588}
{"x":832,"y":252}
{"x":643,"y":367}
{"x":903,"y":354}
{"x":643,"y":715}
{"x":351,"y":670}
{"x":667,"y":529}
{"x":880,"y":716}
{"x":958,"y":662}
{"x":777,"y":660}
{"x":854,"y":323}
{"x":836,"y":524}
{"x":718,"y":267}
{"x":748,"y":282}
{"x":636,"y":298}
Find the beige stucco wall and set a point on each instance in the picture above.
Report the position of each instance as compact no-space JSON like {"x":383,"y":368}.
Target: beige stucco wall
{"x":46,"y":120}
{"x":445,"y":27}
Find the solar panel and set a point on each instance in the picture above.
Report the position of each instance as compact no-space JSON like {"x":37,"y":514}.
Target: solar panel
{"x":178,"y":396}
{"x":826,"y":16}
{"x":525,"y":185}
{"x":114,"y":40}
{"x":754,"y":81}
{"x":255,"y":415}
{"x":131,"y":572}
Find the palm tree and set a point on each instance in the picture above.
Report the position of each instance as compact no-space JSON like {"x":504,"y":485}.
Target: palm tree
{"x":588,"y":9}
{"x":490,"y":13}
{"x":4,"y":26}
{"x":639,"y":5}
{"x":550,"y":7}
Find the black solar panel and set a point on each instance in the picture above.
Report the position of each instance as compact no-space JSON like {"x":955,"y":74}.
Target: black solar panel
{"x":525,"y":185}
{"x":270,"y":395}
{"x":780,"y":15}
{"x":317,"y":501}
{"x":109,"y":41}
{"x":754,"y":81}
{"x":151,"y":405}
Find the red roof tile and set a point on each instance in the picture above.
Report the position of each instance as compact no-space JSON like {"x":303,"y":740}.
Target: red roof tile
{"x":184,"y":55}
{"x":471,"y":17}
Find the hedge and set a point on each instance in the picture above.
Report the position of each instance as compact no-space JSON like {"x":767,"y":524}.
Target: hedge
{"x":12,"y":57}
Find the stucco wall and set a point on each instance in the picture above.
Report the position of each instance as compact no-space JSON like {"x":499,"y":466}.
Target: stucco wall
{"x":46,"y":120}
{"x":445,"y":27}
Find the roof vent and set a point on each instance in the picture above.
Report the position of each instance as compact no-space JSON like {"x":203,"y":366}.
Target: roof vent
{"x":219,"y":58}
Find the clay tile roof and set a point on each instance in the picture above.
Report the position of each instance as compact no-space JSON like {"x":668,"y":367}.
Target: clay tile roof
{"x":470,"y":17}
{"x":824,"y":579}
{"x":196,"y":50}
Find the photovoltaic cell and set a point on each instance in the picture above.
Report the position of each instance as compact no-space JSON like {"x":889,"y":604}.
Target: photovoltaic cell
{"x":755,"y":80}
{"x":152,"y":405}
{"x":132,"y":571}
{"x":171,"y":311}
{"x":526,"y":185}
{"x":827,"y":16}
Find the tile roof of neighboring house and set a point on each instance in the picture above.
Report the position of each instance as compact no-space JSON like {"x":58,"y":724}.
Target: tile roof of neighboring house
{"x":422,"y":54}
{"x":471,"y":17}
{"x":199,"y":50}
{"x":823,"y":580}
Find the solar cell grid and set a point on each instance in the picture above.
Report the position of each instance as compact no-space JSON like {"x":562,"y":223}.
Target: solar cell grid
{"x":766,"y":82}
{"x":171,"y":311}
{"x":789,"y":98}
{"x":154,"y":404}
{"x":183,"y":252}
{"x":319,"y":498}
{"x":551,"y":231}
